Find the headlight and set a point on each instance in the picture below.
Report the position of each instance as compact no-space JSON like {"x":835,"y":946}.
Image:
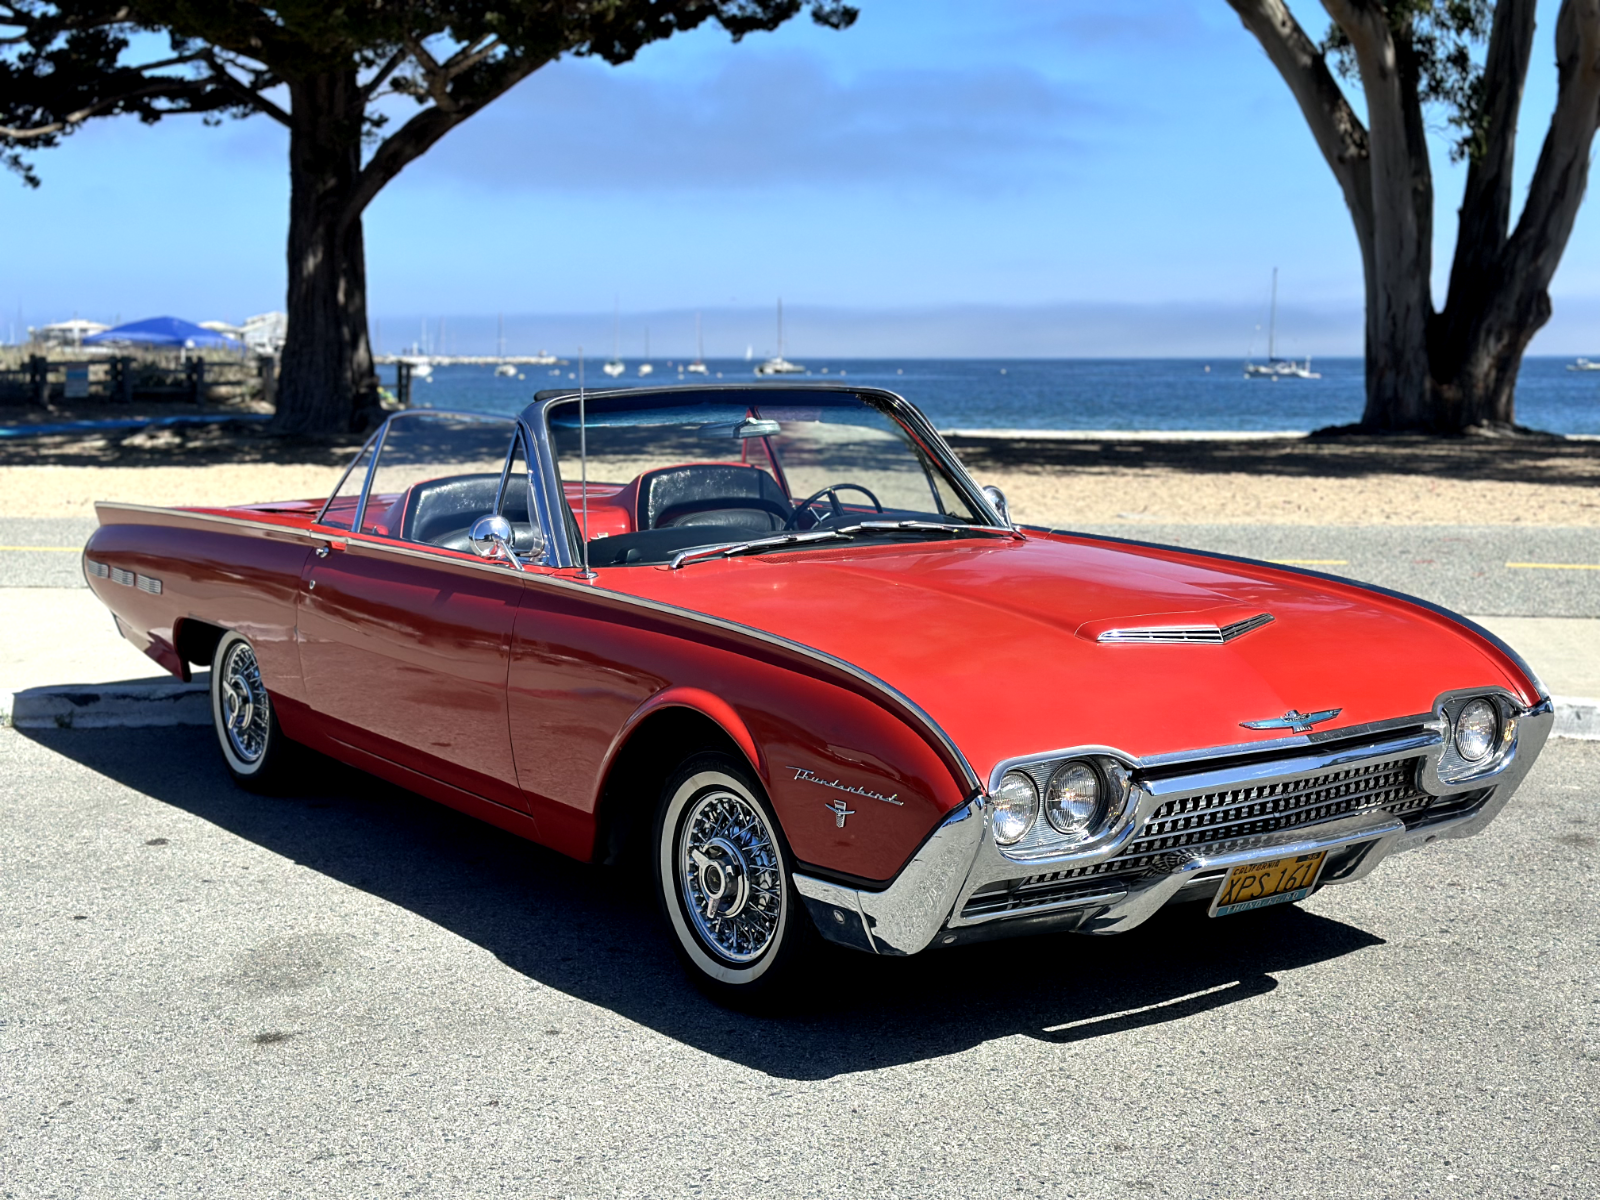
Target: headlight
{"x":1072,"y":797}
{"x":1476,"y":730}
{"x":1016,"y":804}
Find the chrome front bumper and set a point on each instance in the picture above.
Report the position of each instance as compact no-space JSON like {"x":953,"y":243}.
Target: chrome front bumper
{"x":924,"y":904}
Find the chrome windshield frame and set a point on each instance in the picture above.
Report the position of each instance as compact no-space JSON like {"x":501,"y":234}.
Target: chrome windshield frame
{"x":535,"y":420}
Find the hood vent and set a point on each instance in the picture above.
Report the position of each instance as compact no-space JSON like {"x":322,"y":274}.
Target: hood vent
{"x":1205,"y":635}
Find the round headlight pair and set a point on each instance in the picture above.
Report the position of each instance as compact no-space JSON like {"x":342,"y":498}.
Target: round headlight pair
{"x":1072,"y":799}
{"x":1477,"y":730}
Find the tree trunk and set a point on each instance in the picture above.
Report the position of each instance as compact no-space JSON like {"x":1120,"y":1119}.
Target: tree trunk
{"x":328,"y":384}
{"x":1454,"y":372}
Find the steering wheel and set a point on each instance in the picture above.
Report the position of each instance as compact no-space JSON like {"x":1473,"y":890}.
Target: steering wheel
{"x":837,"y":510}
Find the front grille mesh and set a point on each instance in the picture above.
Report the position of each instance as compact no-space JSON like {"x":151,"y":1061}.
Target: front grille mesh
{"x":1181,"y":828}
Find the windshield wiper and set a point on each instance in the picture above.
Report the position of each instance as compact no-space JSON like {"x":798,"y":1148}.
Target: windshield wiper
{"x":756,"y":545}
{"x":928,"y":527}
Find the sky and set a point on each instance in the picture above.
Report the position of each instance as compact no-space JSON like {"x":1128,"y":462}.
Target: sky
{"x":1010,"y":177}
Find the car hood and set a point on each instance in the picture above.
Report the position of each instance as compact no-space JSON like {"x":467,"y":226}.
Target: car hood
{"x":996,"y":640}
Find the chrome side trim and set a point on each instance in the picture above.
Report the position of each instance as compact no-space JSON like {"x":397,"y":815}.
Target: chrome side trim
{"x":908,"y":707}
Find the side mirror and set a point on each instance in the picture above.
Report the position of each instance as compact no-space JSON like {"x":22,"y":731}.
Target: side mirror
{"x":491,"y":538}
{"x":997,"y":501}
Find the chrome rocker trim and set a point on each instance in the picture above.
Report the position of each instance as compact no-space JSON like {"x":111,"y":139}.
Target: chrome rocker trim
{"x":924,"y":903}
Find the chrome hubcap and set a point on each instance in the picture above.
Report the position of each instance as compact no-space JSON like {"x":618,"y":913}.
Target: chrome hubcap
{"x":729,"y":872}
{"x":245,"y":711}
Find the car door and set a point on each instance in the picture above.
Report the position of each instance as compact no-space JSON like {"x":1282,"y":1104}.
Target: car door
{"x":404,"y":645}
{"x":407,"y":658}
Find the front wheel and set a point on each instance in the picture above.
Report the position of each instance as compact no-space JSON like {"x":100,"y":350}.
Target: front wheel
{"x":723,"y":878}
{"x":253,"y":747}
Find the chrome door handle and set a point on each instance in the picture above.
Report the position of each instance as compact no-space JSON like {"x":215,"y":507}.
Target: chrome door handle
{"x":322,"y":551}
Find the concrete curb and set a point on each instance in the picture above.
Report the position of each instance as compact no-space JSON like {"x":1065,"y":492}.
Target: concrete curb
{"x":1577,"y":718}
{"x":107,"y":705}
{"x":139,"y":704}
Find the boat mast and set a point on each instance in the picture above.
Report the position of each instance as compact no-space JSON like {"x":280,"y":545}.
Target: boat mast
{"x":699,"y":342}
{"x":780,"y":326}
{"x":1272,"y":321}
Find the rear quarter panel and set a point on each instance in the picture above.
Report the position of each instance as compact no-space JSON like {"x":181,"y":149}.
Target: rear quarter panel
{"x":219,"y":570}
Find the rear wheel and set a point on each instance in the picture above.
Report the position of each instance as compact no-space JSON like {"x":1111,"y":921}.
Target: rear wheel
{"x":253,"y":746}
{"x":723,"y":877}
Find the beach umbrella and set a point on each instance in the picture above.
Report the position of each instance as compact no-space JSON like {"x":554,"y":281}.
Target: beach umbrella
{"x":162,"y":331}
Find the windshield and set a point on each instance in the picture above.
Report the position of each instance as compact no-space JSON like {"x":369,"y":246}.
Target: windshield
{"x":672,"y":472}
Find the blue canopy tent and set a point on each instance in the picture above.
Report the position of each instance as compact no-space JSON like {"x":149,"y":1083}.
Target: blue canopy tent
{"x":163,"y":331}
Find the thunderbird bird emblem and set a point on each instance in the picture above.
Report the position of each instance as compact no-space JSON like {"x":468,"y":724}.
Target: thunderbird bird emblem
{"x":840,"y":811}
{"x":1294,"y":719}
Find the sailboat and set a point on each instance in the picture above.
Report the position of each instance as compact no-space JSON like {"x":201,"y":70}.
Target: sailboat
{"x":778,"y":364}
{"x":1275,"y":367}
{"x":698,"y":366}
{"x":645,"y":368}
{"x":614,"y":366}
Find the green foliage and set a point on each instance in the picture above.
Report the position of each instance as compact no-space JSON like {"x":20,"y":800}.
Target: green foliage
{"x":64,"y":63}
{"x":1439,"y":44}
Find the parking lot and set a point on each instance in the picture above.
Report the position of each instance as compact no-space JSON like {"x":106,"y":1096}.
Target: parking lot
{"x":351,"y":991}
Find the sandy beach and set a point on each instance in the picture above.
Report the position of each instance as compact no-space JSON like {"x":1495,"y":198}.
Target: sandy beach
{"x":1297,"y":481}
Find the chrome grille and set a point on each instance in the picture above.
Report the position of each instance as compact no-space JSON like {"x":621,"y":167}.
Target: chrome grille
{"x":122,"y":575}
{"x":1183,"y":827}
{"x":98,"y":569}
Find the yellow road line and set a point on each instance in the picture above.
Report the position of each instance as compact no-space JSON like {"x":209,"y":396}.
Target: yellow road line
{"x":1311,"y":562}
{"x":1555,"y":566}
{"x":45,"y":549}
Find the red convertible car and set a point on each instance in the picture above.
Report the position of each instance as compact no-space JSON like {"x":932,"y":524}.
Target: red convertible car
{"x":773,"y":645}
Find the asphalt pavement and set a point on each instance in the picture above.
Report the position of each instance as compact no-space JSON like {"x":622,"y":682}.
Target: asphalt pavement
{"x":349,"y":991}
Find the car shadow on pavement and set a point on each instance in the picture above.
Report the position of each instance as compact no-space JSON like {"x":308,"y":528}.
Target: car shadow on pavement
{"x":594,"y":934}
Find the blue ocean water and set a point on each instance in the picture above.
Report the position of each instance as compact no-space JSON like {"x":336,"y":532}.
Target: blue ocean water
{"x":1058,"y":393}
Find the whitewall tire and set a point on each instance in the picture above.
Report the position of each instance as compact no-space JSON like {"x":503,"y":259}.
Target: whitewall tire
{"x":253,"y":746}
{"x":724,"y":879}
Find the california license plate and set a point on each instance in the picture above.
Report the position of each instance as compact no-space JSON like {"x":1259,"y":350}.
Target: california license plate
{"x":1271,"y":881}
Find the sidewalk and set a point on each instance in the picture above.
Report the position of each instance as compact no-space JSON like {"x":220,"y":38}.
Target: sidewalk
{"x":61,"y":639}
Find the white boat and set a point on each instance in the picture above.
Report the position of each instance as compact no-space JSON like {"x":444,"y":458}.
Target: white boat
{"x":615,"y":366}
{"x":698,"y":366}
{"x":1275,"y":367}
{"x":505,"y":371}
{"x":778,"y":364}
{"x":1584,"y":364}
{"x":645,"y":368}
{"x":420,"y":365}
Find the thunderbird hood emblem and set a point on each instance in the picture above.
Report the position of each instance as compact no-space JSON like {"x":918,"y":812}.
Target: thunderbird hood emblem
{"x":1294,"y":719}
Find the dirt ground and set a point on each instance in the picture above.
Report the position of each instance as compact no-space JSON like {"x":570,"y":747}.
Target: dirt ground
{"x":1347,"y":481}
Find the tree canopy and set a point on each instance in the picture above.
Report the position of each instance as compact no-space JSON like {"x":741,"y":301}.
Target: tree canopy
{"x":332,"y":73}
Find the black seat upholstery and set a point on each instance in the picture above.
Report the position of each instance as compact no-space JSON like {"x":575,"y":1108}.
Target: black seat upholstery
{"x":722,"y":494}
{"x":441,"y":512}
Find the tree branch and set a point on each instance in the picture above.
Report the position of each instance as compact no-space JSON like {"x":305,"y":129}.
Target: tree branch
{"x":1485,"y":221}
{"x":1556,"y":191}
{"x":164,"y":87}
{"x":370,"y":88}
{"x":1339,"y":133}
{"x":246,"y":94}
{"x":418,"y":135}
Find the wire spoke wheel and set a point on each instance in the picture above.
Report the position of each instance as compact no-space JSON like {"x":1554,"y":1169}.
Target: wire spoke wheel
{"x":729,"y":874}
{"x":241,"y":705}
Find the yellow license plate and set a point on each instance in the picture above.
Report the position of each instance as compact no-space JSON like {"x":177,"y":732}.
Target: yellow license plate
{"x":1271,"y":881}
